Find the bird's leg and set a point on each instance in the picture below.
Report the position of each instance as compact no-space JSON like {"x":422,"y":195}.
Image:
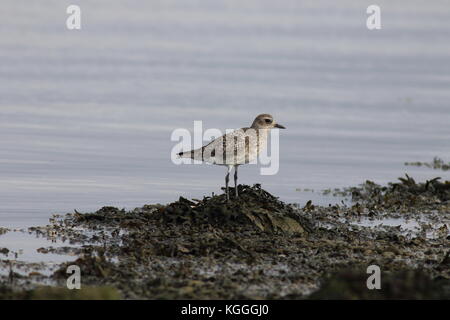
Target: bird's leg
{"x":227,"y":179}
{"x":235,"y":182}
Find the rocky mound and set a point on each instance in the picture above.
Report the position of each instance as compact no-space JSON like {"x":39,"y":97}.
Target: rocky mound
{"x":254,"y":207}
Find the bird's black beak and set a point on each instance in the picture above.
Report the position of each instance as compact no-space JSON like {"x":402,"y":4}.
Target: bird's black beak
{"x":279,"y":126}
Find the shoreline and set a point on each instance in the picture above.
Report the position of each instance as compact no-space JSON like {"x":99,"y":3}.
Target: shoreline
{"x":255,"y":247}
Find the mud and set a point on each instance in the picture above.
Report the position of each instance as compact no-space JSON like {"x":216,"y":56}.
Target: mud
{"x":253,"y":247}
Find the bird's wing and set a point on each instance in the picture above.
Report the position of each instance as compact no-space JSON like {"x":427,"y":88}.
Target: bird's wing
{"x":231,"y":148}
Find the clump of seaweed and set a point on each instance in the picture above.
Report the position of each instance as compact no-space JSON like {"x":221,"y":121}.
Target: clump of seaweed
{"x":254,"y":207}
{"x":406,"y":194}
{"x":437,"y":164}
{"x":3,"y":230}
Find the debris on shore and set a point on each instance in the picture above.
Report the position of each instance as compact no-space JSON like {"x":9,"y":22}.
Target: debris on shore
{"x":257,"y":247}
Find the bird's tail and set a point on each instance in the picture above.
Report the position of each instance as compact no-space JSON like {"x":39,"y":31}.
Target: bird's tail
{"x":196,"y":154}
{"x":186,"y":154}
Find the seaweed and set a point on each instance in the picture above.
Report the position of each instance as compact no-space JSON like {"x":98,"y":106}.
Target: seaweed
{"x":253,"y":247}
{"x":437,"y":164}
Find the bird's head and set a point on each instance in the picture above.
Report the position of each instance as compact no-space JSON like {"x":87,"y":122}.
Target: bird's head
{"x":265,"y":121}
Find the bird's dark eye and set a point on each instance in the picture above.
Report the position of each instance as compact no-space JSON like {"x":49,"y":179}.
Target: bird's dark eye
{"x":268,"y":120}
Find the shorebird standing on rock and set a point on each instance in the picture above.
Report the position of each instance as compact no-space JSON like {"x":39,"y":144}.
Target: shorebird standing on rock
{"x":235,"y":148}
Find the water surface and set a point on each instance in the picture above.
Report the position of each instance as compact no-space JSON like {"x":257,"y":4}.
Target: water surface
{"x":86,"y":116}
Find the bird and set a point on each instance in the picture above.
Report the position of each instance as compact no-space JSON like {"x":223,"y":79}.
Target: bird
{"x":241,"y":146}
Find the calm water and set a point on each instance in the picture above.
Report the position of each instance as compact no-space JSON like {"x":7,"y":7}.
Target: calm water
{"x":86,"y":116}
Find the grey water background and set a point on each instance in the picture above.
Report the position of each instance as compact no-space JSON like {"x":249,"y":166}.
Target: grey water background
{"x":86,"y":116}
